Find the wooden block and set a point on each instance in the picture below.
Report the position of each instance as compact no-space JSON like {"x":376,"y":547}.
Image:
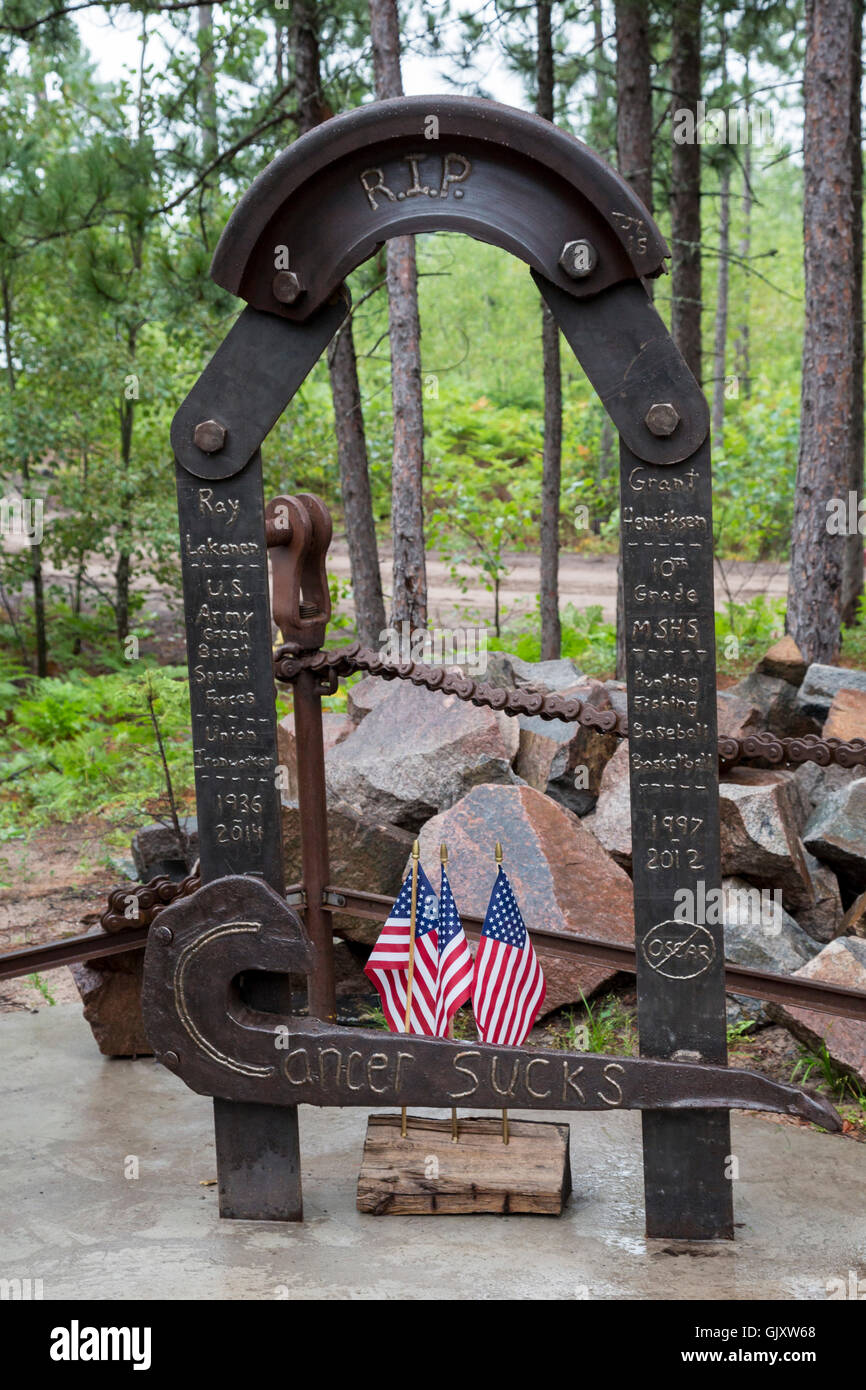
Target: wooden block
{"x":427,"y":1174}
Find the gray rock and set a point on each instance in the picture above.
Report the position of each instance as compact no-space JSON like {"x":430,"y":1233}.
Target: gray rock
{"x":843,"y":962}
{"x":545,"y":675}
{"x":821,"y":685}
{"x":736,"y":715}
{"x":821,"y":914}
{"x":618,"y":698}
{"x":364,"y":696}
{"x":543,"y":749}
{"x":836,"y":832}
{"x":416,"y":753}
{"x":760,"y":813}
{"x":784,"y":659}
{"x":364,"y":854}
{"x":819,"y":783}
{"x":335,"y":727}
{"x":610,"y":823}
{"x":759,"y":933}
{"x":499,"y":671}
{"x":741,"y":1009}
{"x":155,"y":850}
{"x":778,"y":702}
{"x":567,"y":760}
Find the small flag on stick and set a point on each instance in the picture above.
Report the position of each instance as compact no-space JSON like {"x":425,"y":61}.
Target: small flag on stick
{"x":404,"y":967}
{"x":455,"y":966}
{"x":455,"y":958}
{"x":508,"y":989}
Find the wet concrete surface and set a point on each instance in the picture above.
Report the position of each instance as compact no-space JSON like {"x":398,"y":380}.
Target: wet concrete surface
{"x":75,"y":1127}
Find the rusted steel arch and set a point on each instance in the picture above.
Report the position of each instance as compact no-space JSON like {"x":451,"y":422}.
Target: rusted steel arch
{"x":497,"y":174}
{"x":427,"y":164}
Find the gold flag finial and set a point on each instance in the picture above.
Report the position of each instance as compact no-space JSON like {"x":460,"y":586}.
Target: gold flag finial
{"x":498,"y":852}
{"x":416,"y":850}
{"x":443,"y":853}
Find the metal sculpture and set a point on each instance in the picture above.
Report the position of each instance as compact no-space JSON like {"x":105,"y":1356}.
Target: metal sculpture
{"x":218,"y":963}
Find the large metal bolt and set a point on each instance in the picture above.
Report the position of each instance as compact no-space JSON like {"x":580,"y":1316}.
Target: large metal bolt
{"x":578,"y":259}
{"x":287,"y":287}
{"x":170,"y":1059}
{"x":209,"y":436}
{"x":163,"y":934}
{"x":662,"y":418}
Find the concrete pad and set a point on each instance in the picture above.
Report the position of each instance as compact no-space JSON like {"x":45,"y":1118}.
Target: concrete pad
{"x":72,"y":1121}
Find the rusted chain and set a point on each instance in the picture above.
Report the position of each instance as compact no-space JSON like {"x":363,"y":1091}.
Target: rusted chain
{"x":137,"y":904}
{"x":288,"y":664}
{"x":807,"y":749}
{"x":345,"y":661}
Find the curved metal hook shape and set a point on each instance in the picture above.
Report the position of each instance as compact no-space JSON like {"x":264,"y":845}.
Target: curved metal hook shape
{"x":202,"y":1029}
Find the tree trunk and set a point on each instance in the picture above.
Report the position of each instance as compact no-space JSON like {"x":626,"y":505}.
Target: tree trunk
{"x":829,"y":354}
{"x":551,"y":476}
{"x":343,"y":369}
{"x":355,"y":487}
{"x":852,"y":585}
{"x":208,"y":108}
{"x":686,"y":185}
{"x":634,"y":154}
{"x":551,"y":467}
{"x":720,"y":326}
{"x":409,"y":600}
{"x":36,"y":576}
{"x":123,"y":540}
{"x":720,"y":335}
{"x":743,"y":352}
{"x":634,"y":111}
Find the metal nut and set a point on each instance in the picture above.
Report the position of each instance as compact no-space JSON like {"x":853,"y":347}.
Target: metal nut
{"x":578,"y":259}
{"x":170,"y":1059}
{"x":163,"y":934}
{"x":287,"y":287}
{"x":209,"y":436}
{"x":662,"y":418}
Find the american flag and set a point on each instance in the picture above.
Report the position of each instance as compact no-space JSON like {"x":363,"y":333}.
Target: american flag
{"x":508,"y":988}
{"x":455,"y":960}
{"x":388,"y":966}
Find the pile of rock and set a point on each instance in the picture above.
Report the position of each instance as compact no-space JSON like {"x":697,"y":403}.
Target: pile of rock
{"x":404,"y":761}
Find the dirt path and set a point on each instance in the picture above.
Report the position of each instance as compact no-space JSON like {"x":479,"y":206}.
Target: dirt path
{"x":583,"y":580}
{"x":52,"y":885}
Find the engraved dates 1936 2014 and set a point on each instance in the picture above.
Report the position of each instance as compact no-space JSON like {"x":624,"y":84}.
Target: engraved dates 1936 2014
{"x":228,"y":638}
